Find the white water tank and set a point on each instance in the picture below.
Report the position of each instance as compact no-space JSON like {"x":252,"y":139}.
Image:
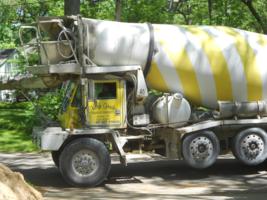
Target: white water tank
{"x":173,"y":110}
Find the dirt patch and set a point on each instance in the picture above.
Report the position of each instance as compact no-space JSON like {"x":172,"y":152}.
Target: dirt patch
{"x":14,"y":187}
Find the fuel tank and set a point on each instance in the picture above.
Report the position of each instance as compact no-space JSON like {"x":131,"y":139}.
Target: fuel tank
{"x":206,"y":64}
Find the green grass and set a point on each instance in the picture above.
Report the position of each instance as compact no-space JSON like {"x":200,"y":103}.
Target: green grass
{"x":16,"y":122}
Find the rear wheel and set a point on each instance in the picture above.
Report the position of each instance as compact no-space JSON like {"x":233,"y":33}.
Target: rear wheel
{"x":200,"y":150}
{"x":249,"y":146}
{"x":85,"y":162}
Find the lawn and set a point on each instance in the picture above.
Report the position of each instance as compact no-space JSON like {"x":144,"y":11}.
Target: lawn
{"x":16,"y":122}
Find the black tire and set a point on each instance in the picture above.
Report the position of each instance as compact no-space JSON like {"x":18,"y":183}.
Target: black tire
{"x":55,"y":157}
{"x":85,"y":154}
{"x":232,"y":147}
{"x":249,"y":146}
{"x":200,"y":150}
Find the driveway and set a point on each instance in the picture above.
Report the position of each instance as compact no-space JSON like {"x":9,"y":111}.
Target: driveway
{"x":227,"y":179}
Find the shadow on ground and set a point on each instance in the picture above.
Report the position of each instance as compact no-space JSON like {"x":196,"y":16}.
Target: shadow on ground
{"x":227,"y":179}
{"x":165,"y":170}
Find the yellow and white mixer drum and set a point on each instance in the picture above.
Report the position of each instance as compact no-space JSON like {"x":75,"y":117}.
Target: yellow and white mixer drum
{"x":204,"y":63}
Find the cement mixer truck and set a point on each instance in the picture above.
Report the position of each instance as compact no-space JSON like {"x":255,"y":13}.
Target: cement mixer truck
{"x":183,"y":92}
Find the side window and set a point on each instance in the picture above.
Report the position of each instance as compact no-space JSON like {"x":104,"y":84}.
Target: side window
{"x":105,"y":90}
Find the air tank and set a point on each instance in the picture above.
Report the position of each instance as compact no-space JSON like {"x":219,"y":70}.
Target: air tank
{"x":206,"y":64}
{"x":173,"y":110}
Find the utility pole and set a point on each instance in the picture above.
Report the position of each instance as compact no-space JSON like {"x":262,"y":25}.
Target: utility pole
{"x":71,"y":7}
{"x":118,"y":10}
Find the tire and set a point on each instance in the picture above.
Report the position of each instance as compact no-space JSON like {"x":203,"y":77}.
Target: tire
{"x":55,"y":157}
{"x":232,"y":148}
{"x":85,"y":162}
{"x":250,"y":146}
{"x":200,"y":150}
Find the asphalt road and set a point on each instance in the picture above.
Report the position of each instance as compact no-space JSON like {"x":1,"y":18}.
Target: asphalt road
{"x":227,"y":179}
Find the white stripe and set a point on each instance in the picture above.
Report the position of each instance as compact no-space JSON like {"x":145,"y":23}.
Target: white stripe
{"x":233,"y":60}
{"x":261,"y":56}
{"x":261,"y":59}
{"x":166,"y":66}
{"x":202,"y":68}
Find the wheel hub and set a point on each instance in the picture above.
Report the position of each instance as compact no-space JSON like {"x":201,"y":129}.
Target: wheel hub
{"x":85,"y":162}
{"x":201,"y":148}
{"x":252,"y":146}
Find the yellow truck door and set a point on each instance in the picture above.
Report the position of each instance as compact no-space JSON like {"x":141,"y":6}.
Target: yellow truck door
{"x":107,"y":104}
{"x":69,"y":114}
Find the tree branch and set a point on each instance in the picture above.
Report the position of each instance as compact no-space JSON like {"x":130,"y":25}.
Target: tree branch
{"x":249,"y":4}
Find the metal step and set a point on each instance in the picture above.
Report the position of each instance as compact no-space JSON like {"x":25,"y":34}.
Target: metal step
{"x":135,"y":157}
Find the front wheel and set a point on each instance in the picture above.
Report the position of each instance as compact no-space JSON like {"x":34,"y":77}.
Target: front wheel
{"x":85,"y":162}
{"x":55,"y":157}
{"x":201,"y":149}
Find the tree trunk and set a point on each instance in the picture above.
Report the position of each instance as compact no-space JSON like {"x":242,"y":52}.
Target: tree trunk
{"x":71,"y":7}
{"x":210,"y":10}
{"x":118,"y":10}
{"x":253,"y":11}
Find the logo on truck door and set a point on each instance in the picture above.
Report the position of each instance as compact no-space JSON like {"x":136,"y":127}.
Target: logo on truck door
{"x":105,"y":107}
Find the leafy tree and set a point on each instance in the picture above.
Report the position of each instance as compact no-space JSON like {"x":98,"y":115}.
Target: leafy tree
{"x":99,"y":10}
{"x":50,"y":103}
{"x":153,"y":11}
{"x":262,"y":20}
{"x":244,"y":14}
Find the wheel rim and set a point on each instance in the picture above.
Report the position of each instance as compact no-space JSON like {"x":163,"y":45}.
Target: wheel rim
{"x":252,"y":146}
{"x":85,"y":163}
{"x":201,"y":148}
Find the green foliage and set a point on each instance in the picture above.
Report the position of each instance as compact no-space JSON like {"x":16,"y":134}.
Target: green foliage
{"x":102,"y":10}
{"x":50,"y":103}
{"x":153,"y":11}
{"x":55,"y":8}
{"x":16,"y":123}
{"x":7,"y":36}
{"x":18,"y":119}
{"x":155,"y":92}
{"x":232,"y":13}
{"x":15,"y":106}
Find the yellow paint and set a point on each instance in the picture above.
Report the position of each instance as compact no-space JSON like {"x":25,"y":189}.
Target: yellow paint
{"x":70,"y":118}
{"x":155,"y":79}
{"x":248,"y":57}
{"x":108,"y":112}
{"x":217,"y":62}
{"x":262,"y":40}
{"x":184,"y":70}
